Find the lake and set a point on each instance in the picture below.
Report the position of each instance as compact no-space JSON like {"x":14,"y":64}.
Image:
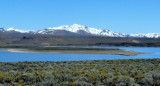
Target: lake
{"x":6,"y":56}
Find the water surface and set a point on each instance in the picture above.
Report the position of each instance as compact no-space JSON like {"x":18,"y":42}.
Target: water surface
{"x":6,"y":56}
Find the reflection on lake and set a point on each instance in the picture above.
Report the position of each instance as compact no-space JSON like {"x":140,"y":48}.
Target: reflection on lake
{"x":6,"y":56}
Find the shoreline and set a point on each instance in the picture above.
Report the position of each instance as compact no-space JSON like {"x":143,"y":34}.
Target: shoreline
{"x":107,"y":51}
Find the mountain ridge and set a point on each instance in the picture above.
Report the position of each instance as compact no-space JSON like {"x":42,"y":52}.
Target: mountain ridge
{"x":81,"y":30}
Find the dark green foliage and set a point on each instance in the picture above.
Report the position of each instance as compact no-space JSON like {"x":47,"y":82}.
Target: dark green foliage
{"x":145,"y":72}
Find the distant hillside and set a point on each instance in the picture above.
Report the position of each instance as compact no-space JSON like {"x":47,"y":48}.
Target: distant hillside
{"x":50,"y":40}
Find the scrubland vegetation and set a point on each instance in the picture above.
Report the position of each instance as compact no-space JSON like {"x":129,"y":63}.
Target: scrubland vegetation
{"x":137,"y":72}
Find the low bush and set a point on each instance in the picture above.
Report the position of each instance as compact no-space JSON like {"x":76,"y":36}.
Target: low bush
{"x":138,"y":72}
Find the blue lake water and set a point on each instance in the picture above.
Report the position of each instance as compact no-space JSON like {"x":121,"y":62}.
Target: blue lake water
{"x":6,"y":56}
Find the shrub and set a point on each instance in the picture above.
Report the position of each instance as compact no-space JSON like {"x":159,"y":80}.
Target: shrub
{"x":82,"y":83}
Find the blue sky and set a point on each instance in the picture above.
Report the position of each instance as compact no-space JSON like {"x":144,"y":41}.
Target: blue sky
{"x":125,"y":16}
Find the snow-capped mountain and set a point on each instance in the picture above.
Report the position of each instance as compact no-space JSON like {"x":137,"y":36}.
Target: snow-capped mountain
{"x":75,"y":28}
{"x":12,"y":29}
{"x":81,"y":30}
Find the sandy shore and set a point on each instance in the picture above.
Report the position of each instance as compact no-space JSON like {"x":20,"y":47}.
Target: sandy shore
{"x":112,"y":52}
{"x":27,"y":51}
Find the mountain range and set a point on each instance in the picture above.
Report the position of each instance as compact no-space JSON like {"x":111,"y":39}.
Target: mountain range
{"x":79,"y":30}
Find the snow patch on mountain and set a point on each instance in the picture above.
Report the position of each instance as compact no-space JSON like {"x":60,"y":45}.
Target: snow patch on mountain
{"x":2,"y":30}
{"x":17,"y":30}
{"x":148,"y":35}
